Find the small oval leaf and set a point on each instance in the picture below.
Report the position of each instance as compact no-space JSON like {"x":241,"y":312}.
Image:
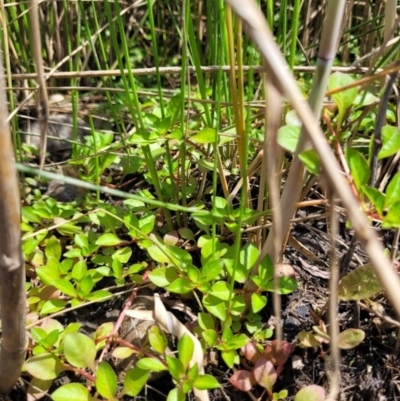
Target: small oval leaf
{"x":106,"y":381}
{"x":80,"y":350}
{"x":71,"y":391}
{"x":350,"y":338}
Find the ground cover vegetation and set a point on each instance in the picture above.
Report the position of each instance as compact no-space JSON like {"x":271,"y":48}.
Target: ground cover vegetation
{"x":199,"y":244}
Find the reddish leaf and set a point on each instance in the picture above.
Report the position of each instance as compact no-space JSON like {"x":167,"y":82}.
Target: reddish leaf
{"x":265,"y":374}
{"x":310,"y":393}
{"x":242,"y":380}
{"x":251,"y":352}
{"x":278,"y":357}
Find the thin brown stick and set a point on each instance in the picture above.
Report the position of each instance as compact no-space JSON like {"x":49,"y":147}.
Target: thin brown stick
{"x":173,"y":70}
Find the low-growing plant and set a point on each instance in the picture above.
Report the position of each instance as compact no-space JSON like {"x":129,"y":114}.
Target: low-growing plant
{"x":56,"y":350}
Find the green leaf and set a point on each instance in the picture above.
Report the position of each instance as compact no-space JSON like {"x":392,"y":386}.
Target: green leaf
{"x":191,"y":375}
{"x":123,"y":255}
{"x":211,"y":337}
{"x":53,"y":248}
{"x":163,"y":276}
{"x":391,"y":141}
{"x":343,"y":99}
{"x":358,"y":167}
{"x":71,"y":391}
{"x":48,"y":274}
{"x":185,"y":350}
{"x":311,"y":161}
{"x":117,"y":269}
{"x":393,"y":191}
{"x":206,"y":321}
{"x":176,"y":394}
{"x":106,"y":381}
{"x":103,"y":330}
{"x":159,"y":252}
{"x":311,"y":393}
{"x":146,"y":223}
{"x":69,"y":229}
{"x":350,"y":338}
{"x":286,"y":285}
{"x":206,"y":382}
{"x":241,"y":273}
{"x":80,"y":350}
{"x":186,"y":233}
{"x":157,"y":339}
{"x":79,"y":270}
{"x":99,"y":295}
{"x":180,"y":286}
{"x":365,"y":99}
{"x":52,"y":306}
{"x":65,"y":286}
{"x":215,"y":306}
{"x":131,"y":164}
{"x":86,"y":285}
{"x":175,"y":367}
{"x":221,"y":290}
{"x":180,"y":257}
{"x":238,"y":305}
{"x":248,"y":255}
{"x":44,"y":366}
{"x":193,"y":273}
{"x":288,"y":136}
{"x":258,"y":302}
{"x":206,"y":135}
{"x":376,"y":197}
{"x":141,"y":137}
{"x":81,"y":240}
{"x":135,"y":380}
{"x":152,"y":364}
{"x":29,"y":214}
{"x":291,"y":118}
{"x":239,"y":341}
{"x":108,"y":240}
{"x":227,"y":335}
{"x":266,"y":269}
{"x":212,"y":269}
{"x":307,"y":339}
{"x":392,"y":218}
{"x":229,"y":357}
{"x":122,"y":352}
{"x":361,"y":283}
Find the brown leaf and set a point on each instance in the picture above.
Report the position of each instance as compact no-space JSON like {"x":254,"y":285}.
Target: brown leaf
{"x":265,"y":374}
{"x":251,"y":352}
{"x":242,"y":380}
{"x":278,"y":356}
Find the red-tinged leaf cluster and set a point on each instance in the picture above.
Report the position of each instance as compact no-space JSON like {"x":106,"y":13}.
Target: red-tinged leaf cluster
{"x":268,"y":364}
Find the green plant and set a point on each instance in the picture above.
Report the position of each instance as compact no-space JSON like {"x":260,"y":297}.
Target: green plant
{"x":57,"y":349}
